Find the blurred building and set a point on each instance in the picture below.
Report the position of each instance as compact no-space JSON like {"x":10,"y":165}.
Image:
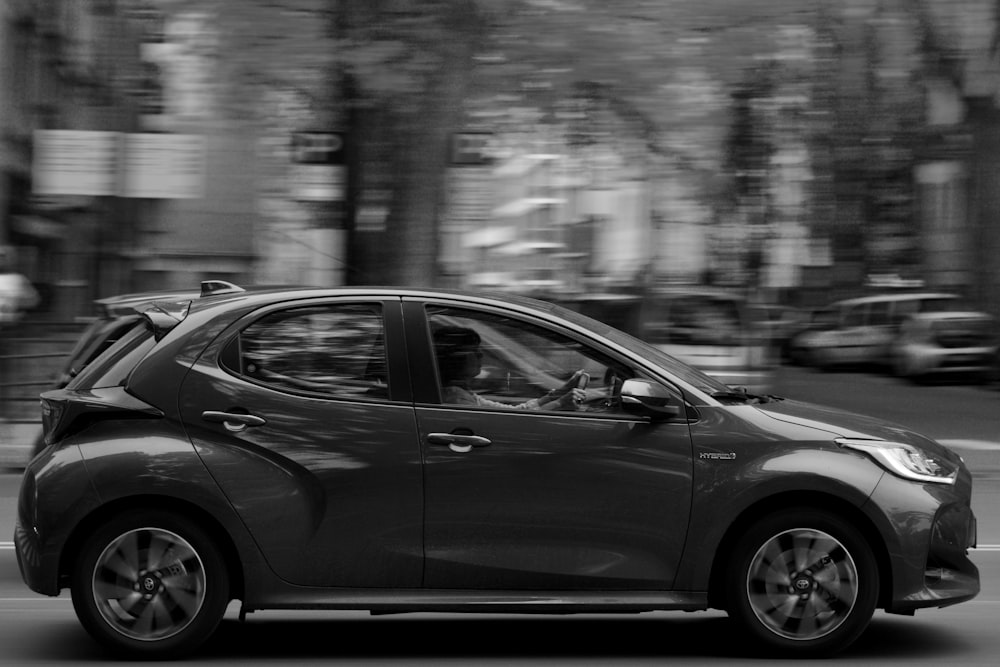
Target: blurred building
{"x":201,"y":227}
{"x":68,"y":66}
{"x":958,"y":170}
{"x":118,"y":169}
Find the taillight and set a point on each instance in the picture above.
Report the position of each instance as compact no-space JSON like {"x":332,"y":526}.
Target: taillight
{"x":53,"y":410}
{"x":64,"y":410}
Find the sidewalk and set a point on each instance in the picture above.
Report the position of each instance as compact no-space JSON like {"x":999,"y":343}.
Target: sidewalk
{"x":15,"y":443}
{"x":31,"y":357}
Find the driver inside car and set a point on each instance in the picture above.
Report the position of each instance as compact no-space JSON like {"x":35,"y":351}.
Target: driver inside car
{"x":459,"y":360}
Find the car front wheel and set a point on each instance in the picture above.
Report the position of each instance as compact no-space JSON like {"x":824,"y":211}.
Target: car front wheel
{"x":804,"y":583}
{"x":150,"y":584}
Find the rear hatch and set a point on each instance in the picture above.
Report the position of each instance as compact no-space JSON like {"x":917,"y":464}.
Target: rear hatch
{"x":100,"y":391}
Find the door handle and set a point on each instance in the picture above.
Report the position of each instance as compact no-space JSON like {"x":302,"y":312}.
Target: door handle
{"x":458,"y":443}
{"x":233,"y":421}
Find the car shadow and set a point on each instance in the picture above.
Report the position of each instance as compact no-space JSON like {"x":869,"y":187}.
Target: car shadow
{"x":435,"y":637}
{"x":315,"y":636}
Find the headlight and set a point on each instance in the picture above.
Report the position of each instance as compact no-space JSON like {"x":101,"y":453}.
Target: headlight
{"x":907,"y":461}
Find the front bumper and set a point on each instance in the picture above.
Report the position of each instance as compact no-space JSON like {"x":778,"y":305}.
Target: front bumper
{"x":929,"y":552}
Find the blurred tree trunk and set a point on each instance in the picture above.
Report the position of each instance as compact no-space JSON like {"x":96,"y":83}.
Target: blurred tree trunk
{"x":399,"y":149}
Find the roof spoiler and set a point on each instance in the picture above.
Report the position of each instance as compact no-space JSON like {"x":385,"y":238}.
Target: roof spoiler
{"x":165,"y":315}
{"x":213,"y":287}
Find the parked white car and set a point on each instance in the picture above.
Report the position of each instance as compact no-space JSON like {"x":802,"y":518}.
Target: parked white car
{"x":946,"y":344}
{"x":858,"y":332}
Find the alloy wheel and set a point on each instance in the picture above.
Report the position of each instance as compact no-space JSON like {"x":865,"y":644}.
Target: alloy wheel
{"x":149,"y":584}
{"x":802,"y":584}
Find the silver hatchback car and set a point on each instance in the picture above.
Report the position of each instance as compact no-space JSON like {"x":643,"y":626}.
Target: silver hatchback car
{"x":961,"y":344}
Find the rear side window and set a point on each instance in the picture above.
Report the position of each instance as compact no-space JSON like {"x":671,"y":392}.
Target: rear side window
{"x":111,"y":367}
{"x":331,"y":350}
{"x":856,"y":316}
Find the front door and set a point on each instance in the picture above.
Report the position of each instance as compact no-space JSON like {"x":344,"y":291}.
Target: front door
{"x":526,"y":491}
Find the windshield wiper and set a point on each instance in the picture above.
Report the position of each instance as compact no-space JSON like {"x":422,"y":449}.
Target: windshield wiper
{"x":741,"y":396}
{"x":745,"y":397}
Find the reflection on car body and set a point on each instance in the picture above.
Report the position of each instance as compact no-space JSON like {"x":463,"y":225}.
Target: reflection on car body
{"x":295,"y":449}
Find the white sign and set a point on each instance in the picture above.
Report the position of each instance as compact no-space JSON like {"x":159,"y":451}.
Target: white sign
{"x":89,"y":163}
{"x":318,"y":182}
{"x":164,"y":166}
{"x":74,"y":162}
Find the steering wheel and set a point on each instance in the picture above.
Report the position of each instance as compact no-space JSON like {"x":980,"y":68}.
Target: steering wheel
{"x":606,"y":400}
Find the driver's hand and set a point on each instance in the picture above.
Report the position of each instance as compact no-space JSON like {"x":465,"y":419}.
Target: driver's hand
{"x":570,"y":383}
{"x":572,"y":399}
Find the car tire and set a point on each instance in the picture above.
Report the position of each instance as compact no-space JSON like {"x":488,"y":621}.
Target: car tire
{"x":150,"y":584}
{"x":803,"y":583}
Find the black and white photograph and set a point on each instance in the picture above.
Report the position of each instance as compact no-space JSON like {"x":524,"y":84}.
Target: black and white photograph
{"x":494,"y":332}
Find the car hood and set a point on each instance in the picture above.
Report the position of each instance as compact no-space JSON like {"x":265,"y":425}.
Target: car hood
{"x":852,"y":425}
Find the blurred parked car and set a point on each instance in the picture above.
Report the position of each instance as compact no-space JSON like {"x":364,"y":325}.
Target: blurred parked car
{"x":297,"y":449}
{"x":713,"y":330}
{"x":858,"y":332}
{"x":946,"y":344}
{"x":778,"y":322}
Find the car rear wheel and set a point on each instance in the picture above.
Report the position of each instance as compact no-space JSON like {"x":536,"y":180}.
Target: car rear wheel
{"x":150,"y":584}
{"x":803,"y":582}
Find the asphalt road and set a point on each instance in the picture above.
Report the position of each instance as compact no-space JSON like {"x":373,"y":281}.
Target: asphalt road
{"x":35,"y":630}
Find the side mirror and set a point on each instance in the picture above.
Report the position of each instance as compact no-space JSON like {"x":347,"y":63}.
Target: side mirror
{"x":648,"y":399}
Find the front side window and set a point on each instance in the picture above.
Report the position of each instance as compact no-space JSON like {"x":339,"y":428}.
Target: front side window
{"x":878,"y":314}
{"x":329,"y":350}
{"x":492,"y":361}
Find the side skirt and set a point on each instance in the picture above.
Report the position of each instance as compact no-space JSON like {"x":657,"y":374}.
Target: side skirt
{"x":379,"y":601}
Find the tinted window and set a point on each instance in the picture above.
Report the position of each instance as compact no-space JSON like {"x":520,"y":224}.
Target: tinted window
{"x":963,"y":332}
{"x":825,"y":318}
{"x":904,"y":307}
{"x":333,"y":350}
{"x":855,"y":315}
{"x":936,"y":304}
{"x":491,"y":361}
{"x":112,"y":366}
{"x":98,"y":339}
{"x":878,"y":313}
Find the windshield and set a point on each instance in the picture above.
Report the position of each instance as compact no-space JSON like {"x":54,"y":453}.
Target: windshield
{"x":111,"y":367}
{"x":689,"y":374}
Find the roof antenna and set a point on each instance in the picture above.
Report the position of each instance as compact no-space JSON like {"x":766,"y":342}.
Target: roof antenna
{"x":213,"y":287}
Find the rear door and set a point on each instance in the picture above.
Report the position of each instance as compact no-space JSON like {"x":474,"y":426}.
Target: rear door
{"x":303,"y":414}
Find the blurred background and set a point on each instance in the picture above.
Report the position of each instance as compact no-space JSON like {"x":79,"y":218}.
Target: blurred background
{"x":793,"y":152}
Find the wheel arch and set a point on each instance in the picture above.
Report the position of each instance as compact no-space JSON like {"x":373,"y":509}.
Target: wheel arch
{"x":801,"y":500}
{"x":210,"y":524}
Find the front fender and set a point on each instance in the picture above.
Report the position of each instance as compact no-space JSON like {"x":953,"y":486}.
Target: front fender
{"x":726,"y":491}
